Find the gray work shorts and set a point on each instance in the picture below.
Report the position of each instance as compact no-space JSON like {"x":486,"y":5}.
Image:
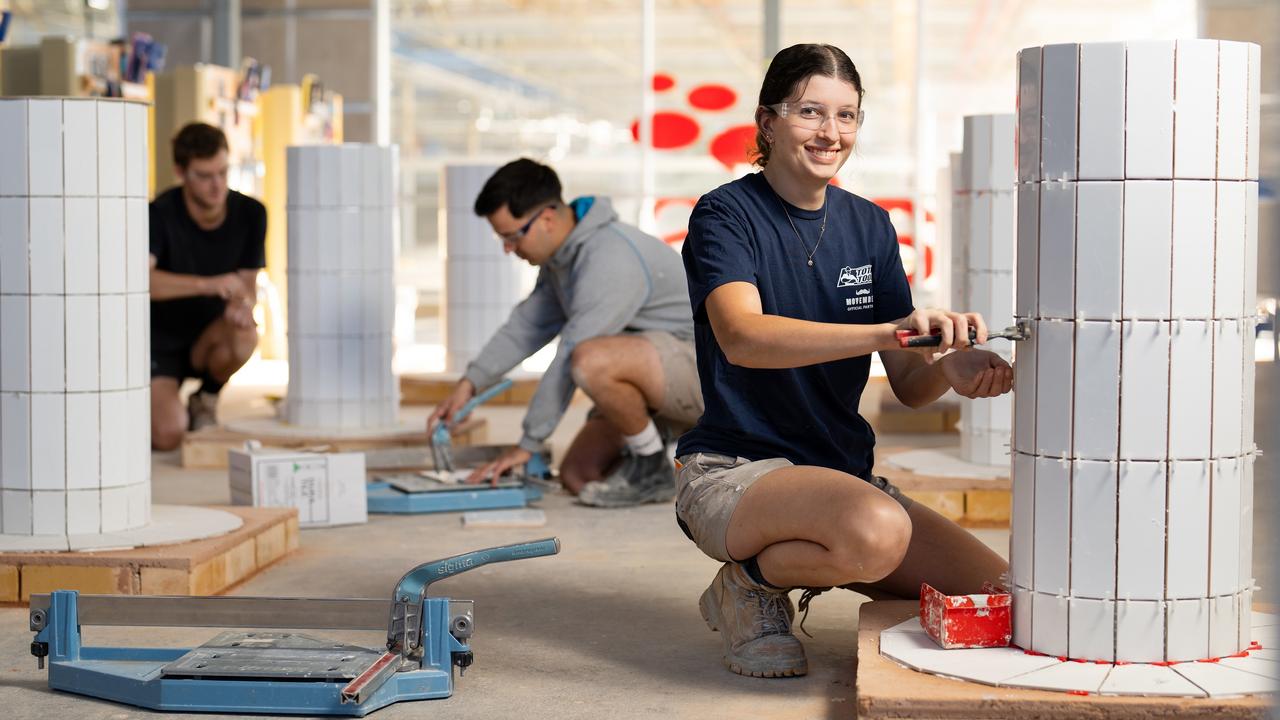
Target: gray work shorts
{"x":709,"y":487}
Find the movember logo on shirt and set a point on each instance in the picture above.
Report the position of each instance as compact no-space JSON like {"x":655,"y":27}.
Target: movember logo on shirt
{"x":850,"y":276}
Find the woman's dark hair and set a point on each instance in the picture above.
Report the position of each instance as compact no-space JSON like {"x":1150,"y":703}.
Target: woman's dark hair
{"x":197,"y":141}
{"x":789,"y":72}
{"x":521,"y":185}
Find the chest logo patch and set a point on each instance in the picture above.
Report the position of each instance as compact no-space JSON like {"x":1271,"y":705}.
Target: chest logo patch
{"x":851,"y":276}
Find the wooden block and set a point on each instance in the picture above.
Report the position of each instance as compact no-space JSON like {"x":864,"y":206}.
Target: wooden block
{"x":9,"y":585}
{"x":988,"y":506}
{"x":241,"y":561}
{"x":210,"y":576}
{"x":271,"y":545}
{"x":88,"y":580}
{"x":165,"y":581}
{"x":947,"y":503}
{"x":291,"y":533}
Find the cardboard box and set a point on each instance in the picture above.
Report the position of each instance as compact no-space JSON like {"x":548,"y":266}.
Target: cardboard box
{"x":326,"y":488}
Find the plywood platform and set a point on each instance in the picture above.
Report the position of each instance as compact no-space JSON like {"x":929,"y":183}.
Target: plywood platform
{"x":888,"y":690}
{"x":199,"y":567}
{"x":894,"y":417}
{"x":431,"y":389}
{"x":971,"y":502}
{"x":207,"y":449}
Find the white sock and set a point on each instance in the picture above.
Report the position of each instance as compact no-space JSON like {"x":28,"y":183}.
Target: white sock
{"x":645,"y":442}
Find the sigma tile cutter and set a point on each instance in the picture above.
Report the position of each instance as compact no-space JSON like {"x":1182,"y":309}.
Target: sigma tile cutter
{"x":269,"y":671}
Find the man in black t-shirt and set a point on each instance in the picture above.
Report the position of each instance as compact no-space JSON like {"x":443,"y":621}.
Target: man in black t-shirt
{"x":207,"y":245}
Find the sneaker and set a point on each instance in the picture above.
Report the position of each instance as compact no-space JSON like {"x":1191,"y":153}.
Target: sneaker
{"x":755,"y":622}
{"x":202,"y":410}
{"x":638,"y":480}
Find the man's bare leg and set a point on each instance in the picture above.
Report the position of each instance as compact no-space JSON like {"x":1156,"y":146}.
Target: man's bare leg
{"x":168,"y":417}
{"x":593,"y":452}
{"x":222,"y":349}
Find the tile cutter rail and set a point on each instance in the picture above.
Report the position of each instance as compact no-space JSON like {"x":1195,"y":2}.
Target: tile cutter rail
{"x":271,"y":672}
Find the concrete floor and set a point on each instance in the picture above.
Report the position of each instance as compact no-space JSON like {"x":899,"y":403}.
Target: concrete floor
{"x":608,"y":628}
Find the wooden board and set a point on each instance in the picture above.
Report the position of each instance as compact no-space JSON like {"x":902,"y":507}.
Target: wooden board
{"x":971,"y":502}
{"x":207,"y":449}
{"x":199,"y":567}
{"x":431,"y":389}
{"x":888,"y":690}
{"x":894,"y":417}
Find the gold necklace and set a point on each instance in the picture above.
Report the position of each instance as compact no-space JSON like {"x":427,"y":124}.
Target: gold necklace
{"x":822,"y":229}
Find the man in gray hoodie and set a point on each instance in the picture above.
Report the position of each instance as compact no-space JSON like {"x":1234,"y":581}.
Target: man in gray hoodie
{"x":617,"y":298}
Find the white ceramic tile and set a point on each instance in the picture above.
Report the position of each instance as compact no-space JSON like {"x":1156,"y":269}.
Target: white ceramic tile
{"x":1065,"y":676}
{"x":329,"y":239}
{"x":1099,"y":249}
{"x":1233,"y":109}
{"x":1188,"y":542}
{"x":14,"y":263}
{"x":1049,"y":624}
{"x":1003,"y":151}
{"x":137,"y":245}
{"x":352,"y":370}
{"x":13,"y":144}
{"x":1139,"y":631}
{"x":351,"y":161}
{"x":48,"y":360}
{"x":138,"y":419}
{"x":115,"y":509}
{"x":1053,"y":391}
{"x":308,"y":191}
{"x":1195,"y":137}
{"x":137,"y":151}
{"x":1091,"y":629}
{"x":1193,"y":217}
{"x":1029,"y":82}
{"x":1096,"y":405}
{"x":15,"y":351}
{"x":1254,"y":112}
{"x":1224,"y":529}
{"x":1144,"y":375}
{"x":1149,"y":110}
{"x":1188,"y":628}
{"x":1003,"y":230}
{"x":1001,"y":419}
{"x":327,"y":414}
{"x":1057,"y":255}
{"x":80,"y":147}
{"x":350,"y":250}
{"x":1022,"y":616}
{"x":1052,"y":527}
{"x":48,"y":512}
{"x":48,"y":442}
{"x":82,"y":342}
{"x":81,"y":228}
{"x":83,"y":469}
{"x":1148,"y":233}
{"x":328,"y":370}
{"x":1253,"y":665}
{"x":1244,"y":523}
{"x":1250,"y":247}
{"x":1059,"y":107}
{"x":83,"y":512}
{"x":1148,"y":681}
{"x":112,"y":342}
{"x":328,"y":175}
{"x":111,"y":145}
{"x":116,"y":438}
{"x":1140,"y":538}
{"x":15,"y":441}
{"x":1191,"y":376}
{"x":984,"y":665}
{"x":980,"y":232}
{"x":137,"y":347}
{"x":1224,"y":626}
{"x":1024,"y":395}
{"x":1229,"y":250}
{"x":111,"y":245}
{"x":47,"y":244}
{"x":1228,"y":388}
{"x":977,"y":145}
{"x":1093,"y":531}
{"x":1102,"y":95}
{"x":140,"y":505}
{"x":16,"y":507}
{"x":44,"y":154}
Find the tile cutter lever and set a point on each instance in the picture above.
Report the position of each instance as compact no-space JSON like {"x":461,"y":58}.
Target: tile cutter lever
{"x":441,"y":444}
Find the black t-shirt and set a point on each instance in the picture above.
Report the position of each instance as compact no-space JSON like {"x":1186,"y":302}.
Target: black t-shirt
{"x":808,"y":415}
{"x":180,"y":246}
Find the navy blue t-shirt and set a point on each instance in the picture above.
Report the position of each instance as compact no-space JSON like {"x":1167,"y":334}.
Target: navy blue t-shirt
{"x":808,"y":415}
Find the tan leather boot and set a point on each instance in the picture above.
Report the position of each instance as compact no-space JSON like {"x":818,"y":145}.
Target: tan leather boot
{"x":755,"y":622}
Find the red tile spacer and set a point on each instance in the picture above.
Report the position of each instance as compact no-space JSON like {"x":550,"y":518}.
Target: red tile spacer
{"x":1081,"y":693}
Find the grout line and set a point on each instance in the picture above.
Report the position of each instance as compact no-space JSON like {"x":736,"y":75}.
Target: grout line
{"x":1168,"y":474}
{"x":1115,"y":560}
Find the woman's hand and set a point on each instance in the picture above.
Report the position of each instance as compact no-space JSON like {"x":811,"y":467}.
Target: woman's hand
{"x":953,"y":327}
{"x":977,"y":373}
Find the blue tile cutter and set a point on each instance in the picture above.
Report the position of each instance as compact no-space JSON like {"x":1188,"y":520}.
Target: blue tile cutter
{"x":271,"y":672}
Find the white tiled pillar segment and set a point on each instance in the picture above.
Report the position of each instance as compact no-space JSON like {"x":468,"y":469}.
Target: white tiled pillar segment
{"x":1133,"y":431}
{"x":984,"y":218}
{"x":482,"y":283}
{"x":75,"y":317}
{"x":342,"y":205}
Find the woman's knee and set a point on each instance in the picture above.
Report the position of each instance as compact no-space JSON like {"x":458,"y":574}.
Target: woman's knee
{"x":875,"y":537}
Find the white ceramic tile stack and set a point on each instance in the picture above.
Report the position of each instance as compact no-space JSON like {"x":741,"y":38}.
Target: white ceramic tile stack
{"x":482,"y":283}
{"x":983,"y":202}
{"x":1133,"y":433}
{"x":75,"y":418}
{"x":342,"y":206}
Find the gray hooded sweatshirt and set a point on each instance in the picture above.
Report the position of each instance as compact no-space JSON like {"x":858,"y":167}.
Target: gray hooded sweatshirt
{"x":607,"y":278}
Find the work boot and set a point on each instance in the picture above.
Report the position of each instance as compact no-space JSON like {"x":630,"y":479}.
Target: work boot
{"x":639,"y":479}
{"x":202,"y":410}
{"x":755,"y":622}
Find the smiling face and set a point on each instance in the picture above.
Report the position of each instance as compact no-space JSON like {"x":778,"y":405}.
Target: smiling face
{"x":797,"y":149}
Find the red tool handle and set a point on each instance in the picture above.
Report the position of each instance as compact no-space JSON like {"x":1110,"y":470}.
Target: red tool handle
{"x":913,"y":338}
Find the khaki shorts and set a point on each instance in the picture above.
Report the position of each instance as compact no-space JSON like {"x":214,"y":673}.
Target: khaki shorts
{"x":709,"y":486}
{"x":682,"y":397}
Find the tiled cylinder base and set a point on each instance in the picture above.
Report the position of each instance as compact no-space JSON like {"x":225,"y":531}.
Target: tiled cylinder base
{"x":983,"y":199}
{"x":342,"y":204}
{"x":482,"y":283}
{"x":75,"y":430}
{"x":1133,"y":431}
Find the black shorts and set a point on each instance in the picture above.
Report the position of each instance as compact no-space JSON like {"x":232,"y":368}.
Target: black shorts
{"x":171,"y":352}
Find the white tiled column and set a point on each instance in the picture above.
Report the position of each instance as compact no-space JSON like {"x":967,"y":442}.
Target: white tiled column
{"x":482,"y":283}
{"x":75,"y":411}
{"x":1133,"y":458}
{"x":983,"y":201}
{"x":342,"y":206}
